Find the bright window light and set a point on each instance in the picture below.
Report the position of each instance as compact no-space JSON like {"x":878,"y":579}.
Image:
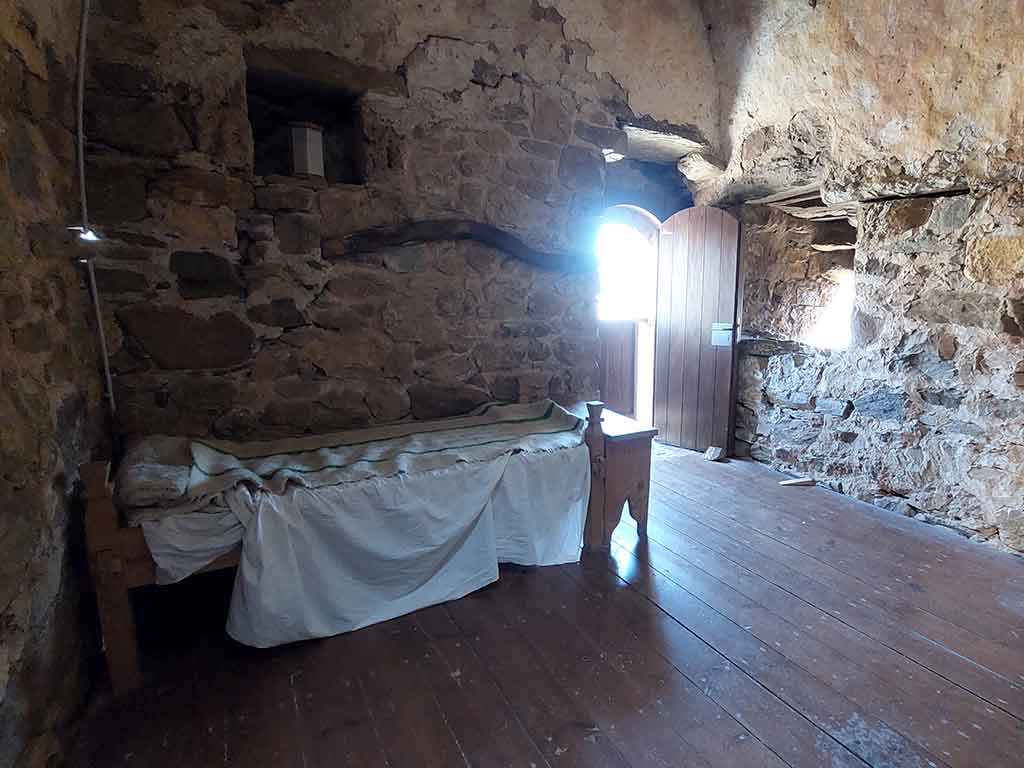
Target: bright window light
{"x":627,"y":268}
{"x":833,"y":329}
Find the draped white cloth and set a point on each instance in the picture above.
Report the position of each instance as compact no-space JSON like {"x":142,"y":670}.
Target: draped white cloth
{"x":328,"y":556}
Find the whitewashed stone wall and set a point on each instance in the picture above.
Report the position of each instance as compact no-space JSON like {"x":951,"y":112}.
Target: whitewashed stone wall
{"x":924,"y":413}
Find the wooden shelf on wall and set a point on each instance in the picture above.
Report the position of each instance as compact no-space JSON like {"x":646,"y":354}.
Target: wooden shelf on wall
{"x":805,"y":202}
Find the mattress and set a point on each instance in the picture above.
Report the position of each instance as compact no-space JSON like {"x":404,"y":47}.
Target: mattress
{"x":163,"y":476}
{"x":343,"y":530}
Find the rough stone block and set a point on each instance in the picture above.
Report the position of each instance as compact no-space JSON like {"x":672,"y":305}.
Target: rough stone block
{"x":830,"y":407}
{"x":345,"y":318}
{"x":580,"y":168}
{"x":543,"y":149}
{"x":256,"y":226}
{"x":388,"y":401}
{"x":32,"y":338}
{"x":194,"y":186}
{"x":351,"y":357}
{"x":551,"y":121}
{"x":968,"y":308}
{"x":199,"y":225}
{"x":204,"y":275}
{"x":297,"y":232}
{"x":1012,"y":320}
{"x":139,"y":126}
{"x":529,"y":166}
{"x":905,"y":215}
{"x":117,"y":191}
{"x":282,"y":197}
{"x":881,"y":404}
{"x":177,"y":339}
{"x":281,"y":313}
{"x":110,"y":281}
{"x":601,"y":137}
{"x":434,"y":401}
{"x":492,"y":356}
{"x":495,"y":141}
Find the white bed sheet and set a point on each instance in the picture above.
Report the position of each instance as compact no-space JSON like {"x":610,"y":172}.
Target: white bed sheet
{"x":321,"y":561}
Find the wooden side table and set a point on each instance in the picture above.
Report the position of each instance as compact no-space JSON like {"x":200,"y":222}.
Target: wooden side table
{"x":620,"y":458}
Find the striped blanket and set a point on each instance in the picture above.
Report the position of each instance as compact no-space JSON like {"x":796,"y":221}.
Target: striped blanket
{"x":323,"y":460}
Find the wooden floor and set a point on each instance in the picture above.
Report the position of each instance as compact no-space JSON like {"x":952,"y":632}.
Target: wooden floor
{"x":759,"y":626}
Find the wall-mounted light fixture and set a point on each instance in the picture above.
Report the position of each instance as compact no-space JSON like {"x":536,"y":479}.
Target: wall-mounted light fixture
{"x":307,"y":149}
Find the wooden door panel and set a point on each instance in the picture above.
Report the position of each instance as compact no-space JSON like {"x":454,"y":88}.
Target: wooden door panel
{"x":689,"y":363}
{"x":725,"y":357}
{"x":662,"y":322}
{"x":702,"y":435}
{"x":696,"y":287}
{"x":677,"y":341}
{"x":618,"y":366}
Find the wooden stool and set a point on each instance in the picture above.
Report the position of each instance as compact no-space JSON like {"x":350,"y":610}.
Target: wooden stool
{"x":620,"y":455}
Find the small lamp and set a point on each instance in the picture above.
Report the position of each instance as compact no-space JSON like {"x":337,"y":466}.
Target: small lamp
{"x":307,"y":149}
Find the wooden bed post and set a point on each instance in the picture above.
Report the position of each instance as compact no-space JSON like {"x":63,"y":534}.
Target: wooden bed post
{"x":107,"y":566}
{"x":594,"y":537}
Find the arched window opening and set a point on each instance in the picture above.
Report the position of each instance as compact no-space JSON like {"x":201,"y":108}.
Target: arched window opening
{"x":627,"y":264}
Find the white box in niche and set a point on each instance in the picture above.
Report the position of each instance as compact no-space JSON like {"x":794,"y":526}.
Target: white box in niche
{"x":307,"y":149}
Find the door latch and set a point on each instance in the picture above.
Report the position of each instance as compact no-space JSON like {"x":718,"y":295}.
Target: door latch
{"x":721,"y":334}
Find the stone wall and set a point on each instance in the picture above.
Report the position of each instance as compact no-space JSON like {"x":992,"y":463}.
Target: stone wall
{"x":924,"y":413}
{"x":787,"y":284}
{"x":651,"y":186}
{"x":50,"y":394}
{"x":243,"y":305}
{"x":872,"y":97}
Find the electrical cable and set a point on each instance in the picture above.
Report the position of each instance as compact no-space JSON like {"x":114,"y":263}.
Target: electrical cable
{"x":85,"y":232}
{"x":83,"y":33}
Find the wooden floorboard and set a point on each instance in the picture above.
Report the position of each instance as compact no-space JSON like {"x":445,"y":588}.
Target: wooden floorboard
{"x":782,"y":729}
{"x":660,"y":690}
{"x":851,"y":725}
{"x":559,"y":723}
{"x":911,"y":562}
{"x":488,"y":728}
{"x":808,"y":549}
{"x":618,"y":708}
{"x":837,"y":618}
{"x":850,"y":671}
{"x":757,"y":626}
{"x":846,"y":601}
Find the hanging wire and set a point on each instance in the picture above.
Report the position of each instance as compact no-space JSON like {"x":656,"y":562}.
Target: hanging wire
{"x":83,"y":34}
{"x":84,"y":230}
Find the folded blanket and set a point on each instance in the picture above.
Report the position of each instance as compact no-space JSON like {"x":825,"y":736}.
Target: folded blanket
{"x":486,"y":433}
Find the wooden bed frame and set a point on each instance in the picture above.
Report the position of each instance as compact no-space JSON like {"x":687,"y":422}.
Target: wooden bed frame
{"x":119,"y":558}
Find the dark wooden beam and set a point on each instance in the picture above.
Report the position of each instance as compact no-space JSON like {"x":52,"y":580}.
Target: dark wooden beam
{"x":438,"y":230}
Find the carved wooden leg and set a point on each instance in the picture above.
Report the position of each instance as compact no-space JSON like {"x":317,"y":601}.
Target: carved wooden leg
{"x":613,"y":514}
{"x":629,"y":477}
{"x":107,"y":563}
{"x":638,"y":503}
{"x":593,"y":536}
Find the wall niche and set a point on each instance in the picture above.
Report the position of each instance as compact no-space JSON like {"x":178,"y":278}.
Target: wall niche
{"x":278,"y":99}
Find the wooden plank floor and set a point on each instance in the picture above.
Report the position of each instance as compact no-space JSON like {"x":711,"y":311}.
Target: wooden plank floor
{"x":757,"y":626}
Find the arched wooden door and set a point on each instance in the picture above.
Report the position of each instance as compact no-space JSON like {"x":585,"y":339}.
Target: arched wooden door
{"x":695,"y":328}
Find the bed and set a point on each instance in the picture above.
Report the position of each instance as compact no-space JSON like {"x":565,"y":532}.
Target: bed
{"x":334,"y":532}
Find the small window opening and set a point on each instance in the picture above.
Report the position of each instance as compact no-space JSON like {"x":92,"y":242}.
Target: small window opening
{"x":278,"y":101}
{"x":834,"y":327}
